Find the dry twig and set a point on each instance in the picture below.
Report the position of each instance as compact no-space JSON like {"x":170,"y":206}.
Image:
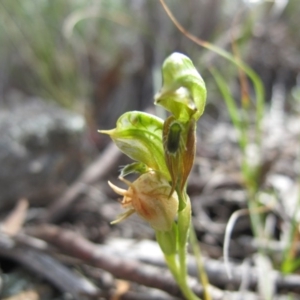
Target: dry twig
{"x":47,"y":267}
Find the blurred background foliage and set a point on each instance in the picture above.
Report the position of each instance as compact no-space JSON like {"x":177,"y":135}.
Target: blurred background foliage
{"x":101,"y":58}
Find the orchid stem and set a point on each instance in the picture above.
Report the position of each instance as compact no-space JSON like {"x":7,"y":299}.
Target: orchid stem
{"x":184,"y":220}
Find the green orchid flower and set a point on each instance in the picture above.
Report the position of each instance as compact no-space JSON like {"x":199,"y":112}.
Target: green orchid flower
{"x":184,"y":95}
{"x":139,"y":136}
{"x":164,"y":151}
{"x":183,"y":92}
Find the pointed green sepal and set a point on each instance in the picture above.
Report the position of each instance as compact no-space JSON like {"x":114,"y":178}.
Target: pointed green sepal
{"x":139,"y":136}
{"x":183,"y":92}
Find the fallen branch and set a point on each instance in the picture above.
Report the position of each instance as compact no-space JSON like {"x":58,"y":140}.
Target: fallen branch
{"x":75,"y":245}
{"x":120,"y":259}
{"x":48,"y":268}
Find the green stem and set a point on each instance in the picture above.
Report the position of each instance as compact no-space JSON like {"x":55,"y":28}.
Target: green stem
{"x":200,"y":265}
{"x":173,"y":266}
{"x":181,"y":280}
{"x":184,"y":220}
{"x":186,"y":290}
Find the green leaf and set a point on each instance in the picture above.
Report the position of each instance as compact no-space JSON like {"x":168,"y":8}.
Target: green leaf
{"x":183,"y":92}
{"x":139,"y":136}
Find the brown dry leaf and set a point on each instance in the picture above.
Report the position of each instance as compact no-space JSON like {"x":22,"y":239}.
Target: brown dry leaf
{"x":122,"y":287}
{"x":15,"y":220}
{"x":25,"y":295}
